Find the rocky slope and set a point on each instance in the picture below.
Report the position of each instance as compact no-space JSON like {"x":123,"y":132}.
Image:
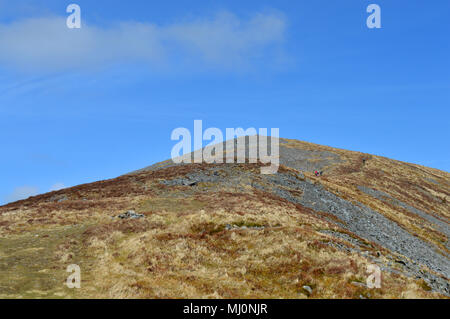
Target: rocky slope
{"x":227,"y":231}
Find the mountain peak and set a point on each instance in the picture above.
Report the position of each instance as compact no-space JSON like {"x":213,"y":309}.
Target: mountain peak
{"x":202,"y":228}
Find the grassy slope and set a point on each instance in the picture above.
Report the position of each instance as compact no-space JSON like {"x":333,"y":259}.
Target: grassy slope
{"x":182,"y":248}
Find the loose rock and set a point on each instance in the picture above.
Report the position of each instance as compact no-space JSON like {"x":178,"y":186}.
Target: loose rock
{"x":130,"y":214}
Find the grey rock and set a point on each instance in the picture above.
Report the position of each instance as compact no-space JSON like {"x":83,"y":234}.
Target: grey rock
{"x":439,"y":224}
{"x":59,"y":198}
{"x":130,"y":214}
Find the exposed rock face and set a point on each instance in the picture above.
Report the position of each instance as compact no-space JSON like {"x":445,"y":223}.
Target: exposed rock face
{"x":356,"y":218}
{"x":374,"y":227}
{"x":440,"y":224}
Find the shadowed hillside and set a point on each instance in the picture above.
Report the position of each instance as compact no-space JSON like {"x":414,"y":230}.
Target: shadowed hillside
{"x":227,"y":231}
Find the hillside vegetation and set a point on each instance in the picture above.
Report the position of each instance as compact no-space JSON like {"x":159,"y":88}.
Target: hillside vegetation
{"x":227,"y":231}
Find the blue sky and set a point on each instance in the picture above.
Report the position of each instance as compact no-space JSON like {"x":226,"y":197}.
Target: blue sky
{"x":79,"y":105}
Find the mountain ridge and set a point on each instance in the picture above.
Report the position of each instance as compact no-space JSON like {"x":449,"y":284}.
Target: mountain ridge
{"x":364,"y":209}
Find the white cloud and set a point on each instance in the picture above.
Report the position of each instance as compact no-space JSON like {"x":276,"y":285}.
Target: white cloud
{"x":221,"y":41}
{"x":22,"y":192}
{"x":57,"y":187}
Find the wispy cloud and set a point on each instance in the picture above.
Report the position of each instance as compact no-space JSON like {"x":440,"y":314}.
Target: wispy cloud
{"x":22,"y":192}
{"x":223,"y":40}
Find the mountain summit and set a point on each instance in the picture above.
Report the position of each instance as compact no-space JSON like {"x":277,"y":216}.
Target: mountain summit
{"x":227,"y":231}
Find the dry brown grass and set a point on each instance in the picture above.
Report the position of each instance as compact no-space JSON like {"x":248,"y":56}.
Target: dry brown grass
{"x":193,"y":256}
{"x":182,"y":249}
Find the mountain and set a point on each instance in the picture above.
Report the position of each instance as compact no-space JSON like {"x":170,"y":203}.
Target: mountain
{"x":228,"y":231}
